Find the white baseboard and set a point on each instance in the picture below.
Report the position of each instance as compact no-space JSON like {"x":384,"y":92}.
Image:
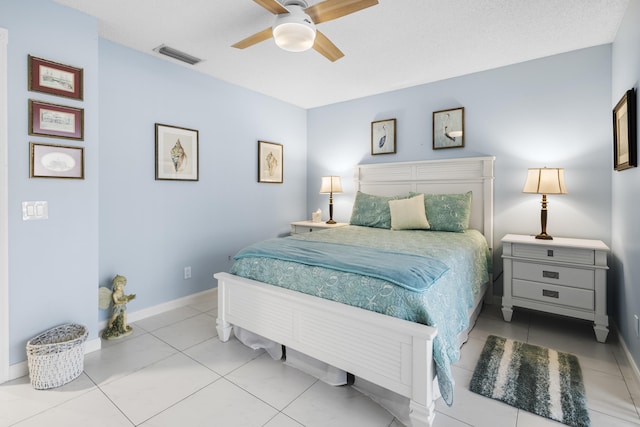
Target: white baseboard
{"x":92,"y":345}
{"x":161,"y":308}
{"x":627,"y":353}
{"x":21,"y":369}
{"x":18,"y":370}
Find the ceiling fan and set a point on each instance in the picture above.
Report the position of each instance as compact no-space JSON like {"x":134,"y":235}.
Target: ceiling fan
{"x":294,"y":28}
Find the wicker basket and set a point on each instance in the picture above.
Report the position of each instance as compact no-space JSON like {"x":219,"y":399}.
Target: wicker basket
{"x":56,"y":356}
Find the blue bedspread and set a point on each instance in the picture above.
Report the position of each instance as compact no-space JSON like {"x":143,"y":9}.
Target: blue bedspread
{"x":443,"y":305}
{"x":414,"y":272}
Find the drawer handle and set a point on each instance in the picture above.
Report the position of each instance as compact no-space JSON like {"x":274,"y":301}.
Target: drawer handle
{"x":550,"y":274}
{"x":549,"y":252}
{"x":551,"y":294}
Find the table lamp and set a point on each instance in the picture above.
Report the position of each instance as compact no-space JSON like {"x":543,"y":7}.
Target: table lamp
{"x":545,"y":181}
{"x":330,"y":185}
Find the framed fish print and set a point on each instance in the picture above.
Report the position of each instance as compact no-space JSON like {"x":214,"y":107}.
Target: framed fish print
{"x":54,"y":78}
{"x":383,"y":137}
{"x":270,"y":162}
{"x":177,"y":154}
{"x":448,"y":128}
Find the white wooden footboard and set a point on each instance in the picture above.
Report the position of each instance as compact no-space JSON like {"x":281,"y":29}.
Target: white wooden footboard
{"x":392,"y":353}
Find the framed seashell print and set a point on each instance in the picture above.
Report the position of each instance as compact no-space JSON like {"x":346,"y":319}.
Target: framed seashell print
{"x":177,"y":153}
{"x":270,"y":162}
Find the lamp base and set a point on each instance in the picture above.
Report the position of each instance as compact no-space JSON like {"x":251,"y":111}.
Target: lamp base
{"x":331,"y":221}
{"x":543,"y":220}
{"x":544,"y":236}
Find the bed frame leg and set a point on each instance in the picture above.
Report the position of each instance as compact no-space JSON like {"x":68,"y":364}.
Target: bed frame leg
{"x":224,"y":330}
{"x":421,"y":416}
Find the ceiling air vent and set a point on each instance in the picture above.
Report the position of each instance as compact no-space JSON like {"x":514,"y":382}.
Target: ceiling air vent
{"x":176,"y":54}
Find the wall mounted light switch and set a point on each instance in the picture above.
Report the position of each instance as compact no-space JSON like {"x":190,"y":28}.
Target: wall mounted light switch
{"x":35,"y":210}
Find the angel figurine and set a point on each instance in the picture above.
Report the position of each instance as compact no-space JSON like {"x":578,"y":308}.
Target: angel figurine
{"x":117,"y":326}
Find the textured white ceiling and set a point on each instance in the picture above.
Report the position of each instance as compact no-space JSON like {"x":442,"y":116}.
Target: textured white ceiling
{"x":396,"y":44}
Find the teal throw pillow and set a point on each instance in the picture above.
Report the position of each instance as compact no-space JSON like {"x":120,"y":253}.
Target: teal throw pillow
{"x":448,"y":212}
{"x":372,"y":211}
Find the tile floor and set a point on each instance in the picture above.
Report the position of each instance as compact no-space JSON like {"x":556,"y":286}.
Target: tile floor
{"x":173,"y":371}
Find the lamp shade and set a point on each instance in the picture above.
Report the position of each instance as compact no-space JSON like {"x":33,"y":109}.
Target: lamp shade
{"x":545,"y":181}
{"x":331,"y":184}
{"x":294,"y":31}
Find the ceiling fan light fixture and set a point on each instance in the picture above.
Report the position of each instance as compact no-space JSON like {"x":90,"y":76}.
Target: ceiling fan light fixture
{"x":294,"y":31}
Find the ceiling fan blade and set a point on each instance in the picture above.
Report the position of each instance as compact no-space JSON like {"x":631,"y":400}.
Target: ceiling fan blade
{"x":326,"y":48}
{"x":333,"y":9}
{"x":272,"y":6}
{"x":254,"y":39}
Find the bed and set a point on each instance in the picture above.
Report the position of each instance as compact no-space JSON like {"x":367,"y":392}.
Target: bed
{"x":389,"y":352}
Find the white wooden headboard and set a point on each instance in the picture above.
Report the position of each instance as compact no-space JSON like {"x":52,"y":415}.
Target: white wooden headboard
{"x":446,"y":176}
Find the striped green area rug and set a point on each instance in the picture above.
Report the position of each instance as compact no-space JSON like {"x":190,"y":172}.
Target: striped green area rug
{"x":536,"y":379}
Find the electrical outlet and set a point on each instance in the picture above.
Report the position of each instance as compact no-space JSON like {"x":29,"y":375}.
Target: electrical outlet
{"x":636,"y":324}
{"x":187,"y":272}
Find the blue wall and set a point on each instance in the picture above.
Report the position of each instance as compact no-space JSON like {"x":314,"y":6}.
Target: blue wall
{"x":53,"y":264}
{"x":150,"y":230}
{"x":626,"y":189}
{"x":551,"y":112}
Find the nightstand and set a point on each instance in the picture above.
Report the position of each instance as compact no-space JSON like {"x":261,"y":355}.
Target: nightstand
{"x":309,"y":226}
{"x":562,"y":276}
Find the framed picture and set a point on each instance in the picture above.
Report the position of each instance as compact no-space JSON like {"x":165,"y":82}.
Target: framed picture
{"x":176,"y":153}
{"x":55,"y":120}
{"x":270,"y":159}
{"x":56,"y":161}
{"x":54,"y":78}
{"x":624,"y":132}
{"x":448,"y":128}
{"x":383,"y":137}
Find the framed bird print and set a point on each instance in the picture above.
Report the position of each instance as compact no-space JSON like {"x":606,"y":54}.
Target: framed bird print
{"x":383,"y":137}
{"x":176,"y":153}
{"x":448,"y":128}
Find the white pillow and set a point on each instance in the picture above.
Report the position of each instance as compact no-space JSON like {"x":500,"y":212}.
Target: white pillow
{"x":408,"y":214}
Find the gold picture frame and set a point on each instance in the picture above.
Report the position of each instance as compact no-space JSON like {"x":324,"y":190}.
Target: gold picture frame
{"x":54,"y":78}
{"x":56,"y":161}
{"x":58,"y":121}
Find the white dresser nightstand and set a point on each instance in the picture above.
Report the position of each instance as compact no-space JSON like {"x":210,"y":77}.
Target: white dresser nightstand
{"x":309,"y":226}
{"x":562,"y":276}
